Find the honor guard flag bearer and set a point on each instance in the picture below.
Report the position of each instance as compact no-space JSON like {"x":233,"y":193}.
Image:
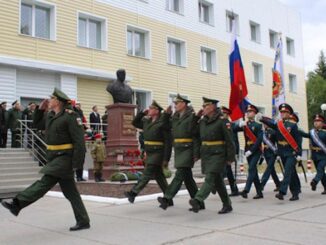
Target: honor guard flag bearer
{"x":238,"y":101}
{"x":278,"y":97}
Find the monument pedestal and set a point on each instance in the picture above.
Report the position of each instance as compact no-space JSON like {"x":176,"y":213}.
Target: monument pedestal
{"x":122,"y":143}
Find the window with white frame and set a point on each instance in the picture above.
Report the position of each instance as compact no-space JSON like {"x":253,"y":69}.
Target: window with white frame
{"x":92,"y":31}
{"x":176,"y":52}
{"x":254,"y":32}
{"x":138,"y":42}
{"x":37,"y":19}
{"x":206,"y":12}
{"x":232,"y":19}
{"x":257,"y":73}
{"x":293,"y":83}
{"x":208,"y":59}
{"x":175,"y":6}
{"x":290,"y":46}
{"x":273,"y":39}
{"x":141,"y":98}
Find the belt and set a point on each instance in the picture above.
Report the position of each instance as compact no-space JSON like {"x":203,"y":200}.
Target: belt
{"x":183,"y":140}
{"x":60,"y":147}
{"x":153,"y":142}
{"x":314,"y":148}
{"x":282,"y":143}
{"x":218,"y":142}
{"x":250,"y":142}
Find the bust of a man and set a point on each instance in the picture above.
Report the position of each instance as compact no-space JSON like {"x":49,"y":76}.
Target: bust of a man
{"x":120,"y":91}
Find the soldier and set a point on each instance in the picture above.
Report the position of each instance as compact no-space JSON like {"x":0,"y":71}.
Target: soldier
{"x":287,"y":136}
{"x":3,"y":124}
{"x":157,"y":140}
{"x":28,"y":116}
{"x":98,"y":153}
{"x":217,"y":150}
{"x":15,"y":114}
{"x":65,"y":152}
{"x":253,"y":138}
{"x":186,"y":150}
{"x":270,"y":155}
{"x":229,"y":173}
{"x":317,"y":137}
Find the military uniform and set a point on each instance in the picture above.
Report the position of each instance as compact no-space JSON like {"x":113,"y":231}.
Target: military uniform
{"x":65,"y":152}
{"x":253,"y":152}
{"x":186,"y":149}
{"x":286,"y":152}
{"x":13,"y":117}
{"x":157,"y":140}
{"x":217,"y":149}
{"x":318,"y":153}
{"x":27,"y":114}
{"x":270,"y":154}
{"x":98,"y":153}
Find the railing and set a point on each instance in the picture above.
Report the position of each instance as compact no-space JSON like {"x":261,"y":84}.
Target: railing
{"x":31,"y":141}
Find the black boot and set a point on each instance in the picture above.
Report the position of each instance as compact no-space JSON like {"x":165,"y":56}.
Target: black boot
{"x":324,"y":192}
{"x":226,"y":209}
{"x":100,"y":178}
{"x":164,"y":202}
{"x":201,"y":206}
{"x":131,"y":196}
{"x":12,"y":206}
{"x":244,"y":194}
{"x":234,"y":190}
{"x":96,"y":178}
{"x":295,"y":197}
{"x":313,"y":185}
{"x":280,"y":196}
{"x":195,"y":204}
{"x":259,"y":195}
{"x":78,"y":227}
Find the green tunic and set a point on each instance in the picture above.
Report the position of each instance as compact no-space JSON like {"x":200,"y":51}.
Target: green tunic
{"x":63,"y":128}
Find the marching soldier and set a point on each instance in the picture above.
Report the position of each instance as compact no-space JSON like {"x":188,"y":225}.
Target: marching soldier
{"x":317,"y":137}
{"x":157,"y":140}
{"x":15,"y":114}
{"x":65,"y":152}
{"x":287,"y":136}
{"x":229,"y":173}
{"x":270,"y":155}
{"x":217,"y":150}
{"x":186,"y":150}
{"x":253,"y":138}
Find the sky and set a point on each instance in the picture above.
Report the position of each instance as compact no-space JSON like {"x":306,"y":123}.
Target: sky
{"x":313,"y":19}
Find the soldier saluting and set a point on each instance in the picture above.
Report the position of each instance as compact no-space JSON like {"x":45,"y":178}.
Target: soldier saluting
{"x":64,"y":136}
{"x":186,"y":150}
{"x":217,"y":150}
{"x":287,"y":136}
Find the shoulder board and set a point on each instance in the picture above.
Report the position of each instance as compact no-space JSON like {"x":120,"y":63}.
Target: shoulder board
{"x":69,"y":111}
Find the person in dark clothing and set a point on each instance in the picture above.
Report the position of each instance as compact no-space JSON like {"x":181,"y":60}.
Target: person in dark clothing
{"x":3,"y":124}
{"x":95,"y":120}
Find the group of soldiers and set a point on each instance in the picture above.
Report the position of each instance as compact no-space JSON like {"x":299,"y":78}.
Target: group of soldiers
{"x":207,"y":135}
{"x":210,"y":136}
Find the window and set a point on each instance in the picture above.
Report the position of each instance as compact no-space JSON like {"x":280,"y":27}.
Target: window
{"x":258,"y":73}
{"x":293,"y":83}
{"x":206,"y":12}
{"x":175,"y":6}
{"x":208,"y":60}
{"x":176,"y":52}
{"x":273,"y":39}
{"x":138,"y":42}
{"x":141,"y":98}
{"x":290,"y":46}
{"x":255,"y":32}
{"x":91,"y":31}
{"x":37,"y":19}
{"x":232,"y":19}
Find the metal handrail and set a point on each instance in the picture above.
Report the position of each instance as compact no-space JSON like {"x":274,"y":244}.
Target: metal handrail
{"x":32,"y":142}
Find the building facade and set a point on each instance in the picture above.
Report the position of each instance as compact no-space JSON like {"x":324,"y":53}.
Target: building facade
{"x":166,"y":47}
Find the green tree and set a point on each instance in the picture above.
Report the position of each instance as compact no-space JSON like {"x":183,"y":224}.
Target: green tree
{"x":321,"y":65}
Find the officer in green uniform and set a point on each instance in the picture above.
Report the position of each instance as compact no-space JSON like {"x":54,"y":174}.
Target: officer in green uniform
{"x":15,"y":114}
{"x":217,"y":150}
{"x":27,"y":115}
{"x":186,"y":150}
{"x":253,"y":138}
{"x":65,"y":152}
{"x":157,"y":140}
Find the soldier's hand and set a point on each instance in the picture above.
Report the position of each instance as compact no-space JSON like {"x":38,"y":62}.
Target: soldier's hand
{"x":200,"y":113}
{"x":145,"y":111}
{"x":168,"y":109}
{"x":44,"y":105}
{"x":242,"y":123}
{"x":248,"y":153}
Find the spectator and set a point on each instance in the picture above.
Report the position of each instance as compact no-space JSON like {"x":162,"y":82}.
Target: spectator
{"x":3,"y":124}
{"x":15,"y":114}
{"x":99,"y":155}
{"x":105,"y":122}
{"x":95,"y":120}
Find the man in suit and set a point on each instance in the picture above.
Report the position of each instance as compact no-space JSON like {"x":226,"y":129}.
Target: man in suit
{"x":95,"y":120}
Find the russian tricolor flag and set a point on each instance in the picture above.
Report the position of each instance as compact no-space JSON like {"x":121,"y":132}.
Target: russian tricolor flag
{"x":238,"y":101}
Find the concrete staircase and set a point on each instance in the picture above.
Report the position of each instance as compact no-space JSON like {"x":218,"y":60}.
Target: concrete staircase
{"x":18,"y":170}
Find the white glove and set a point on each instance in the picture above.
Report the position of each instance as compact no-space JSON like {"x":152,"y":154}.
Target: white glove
{"x":278,"y":158}
{"x":241,"y":123}
{"x":259,"y":116}
{"x":248,"y":153}
{"x":298,"y":158}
